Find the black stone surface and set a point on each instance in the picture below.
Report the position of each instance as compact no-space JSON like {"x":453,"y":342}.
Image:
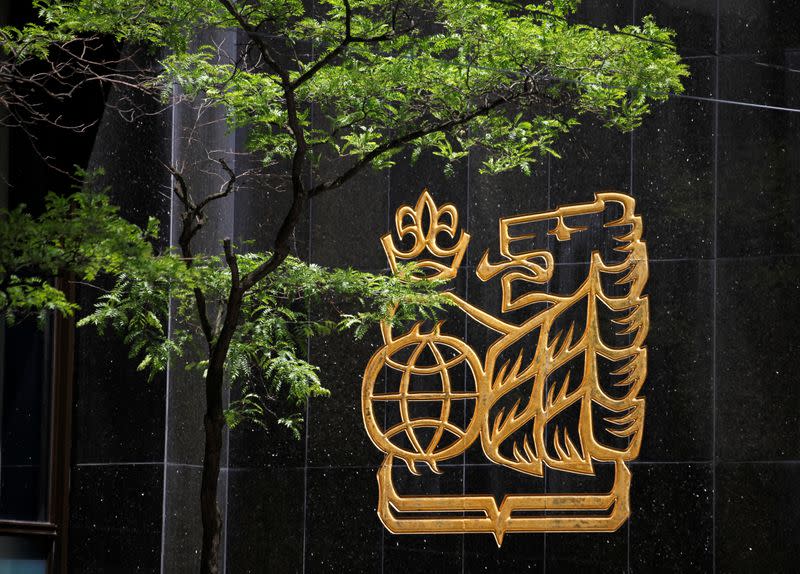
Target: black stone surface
{"x":715,"y":486}
{"x":494,"y":197}
{"x":347,"y":223}
{"x":587,"y":552}
{"x":252,"y":446}
{"x":265,"y":520}
{"x":407,"y":180}
{"x":116,"y":518}
{"x":756,"y":517}
{"x":336,"y":435}
{"x":679,"y":389}
{"x":761,"y":80}
{"x":759,"y":27}
{"x":593,"y":158}
{"x":677,"y":499}
{"x":182,"y":529}
{"x":519,"y":553}
{"x":673,"y":178}
{"x":424,"y":553}
{"x":343,"y":533}
{"x":758,"y":399}
{"x":119,"y":416}
{"x":758,"y":168}
{"x":694,"y":22}
{"x":607,"y":14}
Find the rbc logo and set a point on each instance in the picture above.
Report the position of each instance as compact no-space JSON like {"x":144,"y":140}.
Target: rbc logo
{"x":557,"y":387}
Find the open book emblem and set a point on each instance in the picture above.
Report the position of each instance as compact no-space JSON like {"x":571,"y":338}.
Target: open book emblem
{"x":557,"y":386}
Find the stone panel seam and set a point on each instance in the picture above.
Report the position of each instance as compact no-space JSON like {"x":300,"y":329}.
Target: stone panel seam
{"x":715,"y":251}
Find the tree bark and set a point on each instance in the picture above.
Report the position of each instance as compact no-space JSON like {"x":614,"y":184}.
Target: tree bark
{"x":214,"y":423}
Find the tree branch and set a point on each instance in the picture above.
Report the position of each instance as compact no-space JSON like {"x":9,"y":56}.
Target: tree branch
{"x":202,"y":313}
{"x":302,"y":196}
{"x":253,"y":34}
{"x":348,"y":18}
{"x":281,"y":250}
{"x":404,"y":139}
{"x":226,"y":189}
{"x":191,"y":222}
{"x":347,"y":40}
{"x":181,"y":189}
{"x":233,"y":263}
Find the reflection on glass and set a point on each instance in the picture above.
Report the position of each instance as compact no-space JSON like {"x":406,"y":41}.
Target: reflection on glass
{"x":23,"y":556}
{"x":24,"y":420}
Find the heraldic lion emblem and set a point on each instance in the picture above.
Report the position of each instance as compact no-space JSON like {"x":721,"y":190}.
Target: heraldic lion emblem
{"x":558,"y":385}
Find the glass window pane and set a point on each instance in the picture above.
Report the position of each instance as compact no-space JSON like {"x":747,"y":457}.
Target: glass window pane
{"x":23,"y":556}
{"x":24,"y":420}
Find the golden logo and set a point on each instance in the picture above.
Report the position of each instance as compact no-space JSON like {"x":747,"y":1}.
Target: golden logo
{"x":558,"y":386}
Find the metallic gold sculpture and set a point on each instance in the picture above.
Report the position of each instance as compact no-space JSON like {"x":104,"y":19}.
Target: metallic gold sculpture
{"x":592,"y":365}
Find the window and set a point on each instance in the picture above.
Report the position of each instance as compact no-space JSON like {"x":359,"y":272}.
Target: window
{"x":35,"y":387}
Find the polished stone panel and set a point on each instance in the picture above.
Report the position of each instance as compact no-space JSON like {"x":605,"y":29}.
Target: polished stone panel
{"x":252,"y":446}
{"x":111,"y":399}
{"x":756,"y":517}
{"x":407,"y":179}
{"x":679,"y":389}
{"x":119,"y":416}
{"x":202,"y":141}
{"x":605,"y":14}
{"x":668,"y":500}
{"x":407,"y":553}
{"x":761,"y":80}
{"x":182,"y":525}
{"x":133,"y":170}
{"x":492,"y":197}
{"x":758,"y":399}
{"x":762,"y":27}
{"x":116,"y":518}
{"x":265,"y":520}
{"x":520,"y":553}
{"x":673,"y":178}
{"x":261,"y":205}
{"x":336,"y":434}
{"x":593,"y":158}
{"x":587,"y":552}
{"x":343,"y":533}
{"x":758,"y":169}
{"x":345,"y":232}
{"x":694,"y":22}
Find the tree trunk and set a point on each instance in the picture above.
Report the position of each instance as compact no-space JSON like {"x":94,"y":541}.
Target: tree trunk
{"x":214,"y":423}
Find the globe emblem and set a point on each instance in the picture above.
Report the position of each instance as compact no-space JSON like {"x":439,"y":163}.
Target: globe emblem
{"x":426,"y":363}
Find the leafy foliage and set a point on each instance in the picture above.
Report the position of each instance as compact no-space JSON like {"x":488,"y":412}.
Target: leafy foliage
{"x":84,"y":235}
{"x":434,"y":75}
{"x":266,"y":361}
{"x":327,"y":88}
{"x":81,"y":233}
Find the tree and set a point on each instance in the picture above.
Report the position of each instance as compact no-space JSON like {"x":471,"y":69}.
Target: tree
{"x":336,"y":87}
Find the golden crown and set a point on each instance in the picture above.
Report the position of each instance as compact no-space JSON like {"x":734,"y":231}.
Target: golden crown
{"x":424,"y":222}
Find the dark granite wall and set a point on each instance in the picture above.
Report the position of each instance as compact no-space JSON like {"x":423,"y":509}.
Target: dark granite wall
{"x":715,"y":174}
{"x":117,"y":482}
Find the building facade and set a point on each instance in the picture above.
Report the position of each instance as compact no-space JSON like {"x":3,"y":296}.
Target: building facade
{"x":714,"y":173}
